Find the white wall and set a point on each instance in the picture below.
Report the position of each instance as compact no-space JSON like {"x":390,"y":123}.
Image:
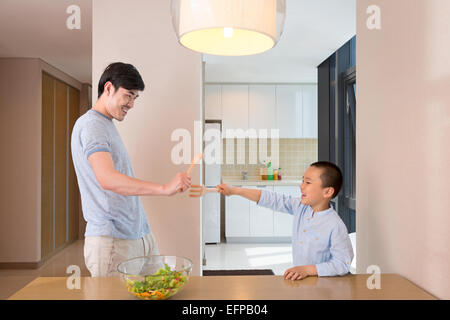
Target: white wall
{"x":20,"y":163}
{"x":141,"y":33}
{"x":403,"y":134}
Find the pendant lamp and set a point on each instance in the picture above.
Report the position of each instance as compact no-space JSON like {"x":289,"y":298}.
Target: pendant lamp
{"x":228,"y":27}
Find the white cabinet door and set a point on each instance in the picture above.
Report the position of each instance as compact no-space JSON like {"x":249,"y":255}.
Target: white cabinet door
{"x":213,"y":102}
{"x":234,"y":107}
{"x":237,"y":223}
{"x":310,"y":111}
{"x":289,"y":111}
{"x":261,"y":219}
{"x":213,"y":170}
{"x":282,"y":222}
{"x":211,"y":218}
{"x":262,"y":107}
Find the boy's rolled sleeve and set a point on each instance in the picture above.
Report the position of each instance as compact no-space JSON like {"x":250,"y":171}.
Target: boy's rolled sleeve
{"x":278,"y":201}
{"x":341,"y":254}
{"x":94,"y":138}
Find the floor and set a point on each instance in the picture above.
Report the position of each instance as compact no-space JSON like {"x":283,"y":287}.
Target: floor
{"x":229,"y":256}
{"x":236,"y":256}
{"x":13,"y":280}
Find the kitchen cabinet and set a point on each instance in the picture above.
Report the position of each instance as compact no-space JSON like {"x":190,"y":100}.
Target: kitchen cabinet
{"x":297,"y":111}
{"x":234,"y":107}
{"x":282,"y":222}
{"x":237,"y":216}
{"x":289,"y":111}
{"x":262,"y":107}
{"x":213,"y":102}
{"x":245,"y":219}
{"x":291,"y":108}
{"x":261,"y":219}
{"x":309,"y":98}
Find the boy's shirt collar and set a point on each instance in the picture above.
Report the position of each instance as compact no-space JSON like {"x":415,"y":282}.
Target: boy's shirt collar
{"x":330,"y":209}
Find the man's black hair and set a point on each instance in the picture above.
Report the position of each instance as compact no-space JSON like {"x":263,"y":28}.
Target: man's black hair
{"x":331,"y":176}
{"x":121,"y":75}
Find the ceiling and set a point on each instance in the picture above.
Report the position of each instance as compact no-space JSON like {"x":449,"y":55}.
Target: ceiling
{"x":314,"y":29}
{"x":37,"y":29}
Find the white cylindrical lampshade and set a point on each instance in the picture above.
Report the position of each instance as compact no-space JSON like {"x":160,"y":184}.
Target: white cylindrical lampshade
{"x":228,"y":27}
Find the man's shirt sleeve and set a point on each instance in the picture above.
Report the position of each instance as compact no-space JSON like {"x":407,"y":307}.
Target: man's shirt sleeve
{"x":341,"y":254}
{"x":278,"y":201}
{"x":94,"y":138}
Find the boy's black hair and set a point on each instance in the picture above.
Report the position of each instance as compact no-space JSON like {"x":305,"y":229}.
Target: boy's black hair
{"x":331,"y":176}
{"x":121,"y":75}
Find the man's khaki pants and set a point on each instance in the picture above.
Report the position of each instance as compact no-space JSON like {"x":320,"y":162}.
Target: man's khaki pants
{"x":102,"y":254}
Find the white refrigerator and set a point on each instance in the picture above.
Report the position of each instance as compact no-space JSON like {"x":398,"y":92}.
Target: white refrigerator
{"x":211,"y":201}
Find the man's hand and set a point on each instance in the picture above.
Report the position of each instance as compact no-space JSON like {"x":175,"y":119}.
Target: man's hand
{"x":180,"y":183}
{"x":225,"y":189}
{"x":300,"y":272}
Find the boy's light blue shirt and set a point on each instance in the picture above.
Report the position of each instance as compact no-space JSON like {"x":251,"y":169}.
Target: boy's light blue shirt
{"x":321,"y":240}
{"x":107,"y":213}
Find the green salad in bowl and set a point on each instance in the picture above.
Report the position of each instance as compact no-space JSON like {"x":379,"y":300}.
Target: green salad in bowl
{"x":155,"y":277}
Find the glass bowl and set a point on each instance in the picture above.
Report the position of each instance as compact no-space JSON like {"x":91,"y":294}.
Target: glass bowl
{"x":155,"y":277}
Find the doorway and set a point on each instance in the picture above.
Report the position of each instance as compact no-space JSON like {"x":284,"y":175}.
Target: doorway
{"x":250,"y":93}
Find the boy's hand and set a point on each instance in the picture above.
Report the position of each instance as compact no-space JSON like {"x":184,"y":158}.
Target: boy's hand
{"x":300,"y":272}
{"x":250,"y":194}
{"x":225,"y":189}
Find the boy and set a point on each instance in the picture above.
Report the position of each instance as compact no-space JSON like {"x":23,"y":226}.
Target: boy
{"x":320,"y":242}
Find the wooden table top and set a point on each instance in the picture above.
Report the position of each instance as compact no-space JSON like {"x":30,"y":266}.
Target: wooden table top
{"x":350,"y":287}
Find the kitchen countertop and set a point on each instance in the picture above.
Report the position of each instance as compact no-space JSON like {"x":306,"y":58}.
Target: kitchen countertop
{"x":349,"y":287}
{"x":256,"y":181}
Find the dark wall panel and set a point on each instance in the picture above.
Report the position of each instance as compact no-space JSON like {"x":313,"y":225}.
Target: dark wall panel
{"x":60,"y":163}
{"x":47,"y":165}
{"x":323,"y":111}
{"x":331,"y":119}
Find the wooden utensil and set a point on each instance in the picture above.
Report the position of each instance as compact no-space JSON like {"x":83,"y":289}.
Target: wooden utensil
{"x":198,"y":191}
{"x":196,"y":159}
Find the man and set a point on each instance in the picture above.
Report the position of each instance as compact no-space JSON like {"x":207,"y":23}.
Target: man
{"x":117,"y":227}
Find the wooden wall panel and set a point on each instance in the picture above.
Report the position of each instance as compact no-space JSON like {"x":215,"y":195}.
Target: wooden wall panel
{"x":60,"y":162}
{"x":47,"y":166}
{"x":60,"y":204}
{"x":74,"y":112}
